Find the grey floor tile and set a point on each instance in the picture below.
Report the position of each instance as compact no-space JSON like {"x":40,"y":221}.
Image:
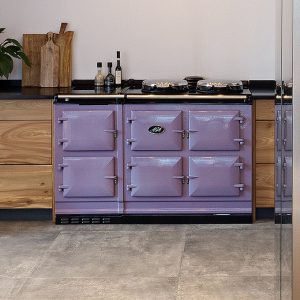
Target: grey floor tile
{"x":228,"y":288}
{"x":129,"y":288}
{"x":101,"y":254}
{"x":10,"y":287}
{"x":229,"y":252}
{"x":20,"y":253}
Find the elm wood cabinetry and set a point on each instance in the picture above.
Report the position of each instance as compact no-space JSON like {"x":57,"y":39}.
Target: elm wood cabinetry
{"x":264,"y":153}
{"x":25,"y":154}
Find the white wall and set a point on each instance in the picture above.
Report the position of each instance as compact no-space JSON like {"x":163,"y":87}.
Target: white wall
{"x":157,"y":38}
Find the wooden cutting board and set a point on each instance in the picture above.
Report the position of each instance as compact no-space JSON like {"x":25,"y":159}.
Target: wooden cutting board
{"x":64,"y":41}
{"x":49,"y":76}
{"x":32,"y":44}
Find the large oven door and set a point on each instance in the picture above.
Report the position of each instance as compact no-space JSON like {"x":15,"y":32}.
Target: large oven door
{"x":156,"y":130}
{"x":88,"y":130}
{"x":156,"y":176}
{"x":215,"y":176}
{"x":88,"y":177}
{"x":215,"y":130}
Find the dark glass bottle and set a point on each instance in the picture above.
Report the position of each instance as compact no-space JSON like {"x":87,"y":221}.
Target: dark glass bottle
{"x":110,"y":78}
{"x":118,"y":71}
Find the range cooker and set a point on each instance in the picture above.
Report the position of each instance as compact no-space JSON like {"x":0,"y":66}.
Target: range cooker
{"x":130,"y":156}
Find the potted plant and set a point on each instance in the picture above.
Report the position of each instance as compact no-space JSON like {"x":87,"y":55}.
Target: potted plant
{"x":8,"y":49}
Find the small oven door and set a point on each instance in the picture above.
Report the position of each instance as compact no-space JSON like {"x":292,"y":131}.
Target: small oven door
{"x":156,"y":176}
{"x":88,"y":130}
{"x":215,"y":130}
{"x":215,"y":176}
{"x":88,"y":177}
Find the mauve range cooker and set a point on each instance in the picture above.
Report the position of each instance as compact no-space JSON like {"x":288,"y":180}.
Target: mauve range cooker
{"x":129,"y":156}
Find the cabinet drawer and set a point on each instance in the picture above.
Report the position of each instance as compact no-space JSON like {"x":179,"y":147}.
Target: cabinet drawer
{"x":25,"y":186}
{"x":265,"y":144}
{"x":265,"y":110}
{"x":25,"y":110}
{"x":25,"y":142}
{"x":265,"y":185}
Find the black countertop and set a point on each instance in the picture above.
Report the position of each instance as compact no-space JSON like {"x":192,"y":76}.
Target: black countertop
{"x":258,"y":89}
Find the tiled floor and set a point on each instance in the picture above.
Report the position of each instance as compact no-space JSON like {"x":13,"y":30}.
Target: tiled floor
{"x":39,"y":260}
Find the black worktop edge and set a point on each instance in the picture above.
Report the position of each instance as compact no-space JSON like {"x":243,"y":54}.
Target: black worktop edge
{"x":12,"y":89}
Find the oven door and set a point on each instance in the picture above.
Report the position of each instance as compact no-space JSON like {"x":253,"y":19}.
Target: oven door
{"x":88,"y":130}
{"x":215,"y":176}
{"x":156,"y":176}
{"x":88,"y":177}
{"x":156,"y":130}
{"x":215,"y":130}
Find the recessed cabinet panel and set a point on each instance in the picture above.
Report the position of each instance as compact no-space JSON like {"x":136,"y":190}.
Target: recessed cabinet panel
{"x":156,"y":176}
{"x":88,"y":177}
{"x":156,"y":130}
{"x":214,"y":176}
{"x":214,"y":130}
{"x":288,"y":130}
{"x":88,"y":130}
{"x":288,"y":176}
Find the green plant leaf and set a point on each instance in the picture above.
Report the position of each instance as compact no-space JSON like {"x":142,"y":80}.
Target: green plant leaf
{"x":12,"y":51}
{"x":6,"y":64}
{"x":24,"y":57}
{"x":2,"y":29}
{"x":15,"y":42}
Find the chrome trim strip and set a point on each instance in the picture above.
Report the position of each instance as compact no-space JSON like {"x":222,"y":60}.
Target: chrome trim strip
{"x":188,"y":97}
{"x":87,"y":96}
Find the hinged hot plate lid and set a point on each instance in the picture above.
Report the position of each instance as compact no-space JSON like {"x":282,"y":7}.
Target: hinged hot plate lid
{"x":163,"y":86}
{"x":219,"y":86}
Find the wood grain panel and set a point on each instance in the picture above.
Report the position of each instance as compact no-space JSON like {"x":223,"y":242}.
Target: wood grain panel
{"x":25,"y":186}
{"x":265,"y":142}
{"x":265,"y":110}
{"x":25,"y":142}
{"x":23,"y":110}
{"x":265,"y":185}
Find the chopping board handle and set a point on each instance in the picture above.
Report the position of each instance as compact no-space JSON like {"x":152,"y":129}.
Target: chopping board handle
{"x":49,"y":73}
{"x":63,"y":27}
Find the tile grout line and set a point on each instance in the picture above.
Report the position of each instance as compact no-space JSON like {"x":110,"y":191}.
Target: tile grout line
{"x":180,"y":264}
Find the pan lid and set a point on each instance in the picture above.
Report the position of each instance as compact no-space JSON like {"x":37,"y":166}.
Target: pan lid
{"x":164,"y":86}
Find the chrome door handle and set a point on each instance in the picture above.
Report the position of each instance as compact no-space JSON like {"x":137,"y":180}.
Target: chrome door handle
{"x":129,"y":187}
{"x":130,"y":141}
{"x":239,"y":186}
{"x":180,"y":131}
{"x":61,"y":188}
{"x":61,"y":141}
{"x":239,"y":165}
{"x":180,"y":177}
{"x":63,"y":165}
{"x":62,"y":119}
{"x":115,"y":132}
{"x":130,"y":166}
{"x":240,"y":119}
{"x":240,"y":141}
{"x":115,"y":178}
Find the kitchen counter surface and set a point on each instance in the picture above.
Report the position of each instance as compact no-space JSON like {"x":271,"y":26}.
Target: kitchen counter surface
{"x":263,"y":94}
{"x":23,"y":93}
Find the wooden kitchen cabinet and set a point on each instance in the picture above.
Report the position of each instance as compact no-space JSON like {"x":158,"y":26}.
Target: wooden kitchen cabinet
{"x":25,"y":186}
{"x":264,"y":154}
{"x":25,"y":154}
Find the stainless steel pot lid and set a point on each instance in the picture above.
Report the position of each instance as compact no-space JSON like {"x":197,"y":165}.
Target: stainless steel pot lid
{"x":164,"y":86}
{"x":219,"y":85}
